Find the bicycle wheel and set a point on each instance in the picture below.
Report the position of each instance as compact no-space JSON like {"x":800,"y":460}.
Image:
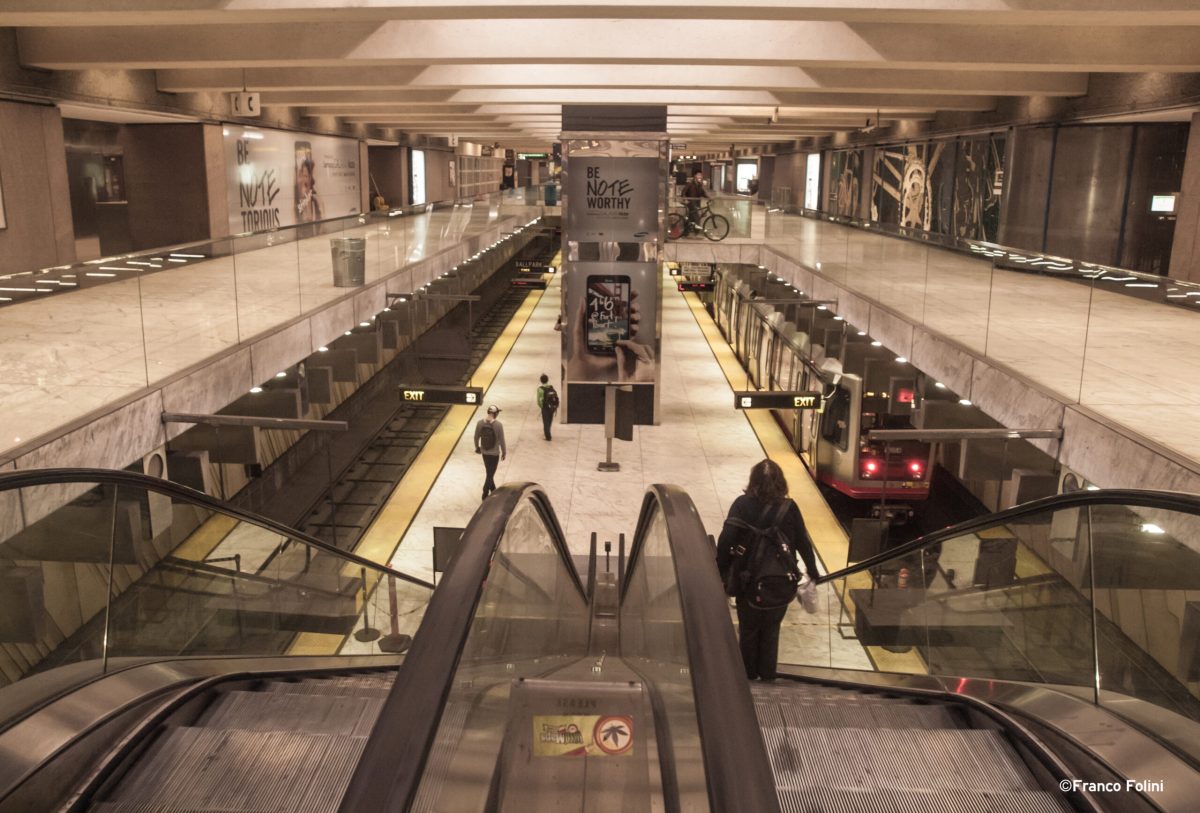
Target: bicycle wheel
{"x":716,"y":227}
{"x":675,"y":226}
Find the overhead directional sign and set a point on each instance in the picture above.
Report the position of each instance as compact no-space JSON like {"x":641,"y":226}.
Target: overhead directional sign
{"x":535,"y":268}
{"x":777,"y":400}
{"x":423,"y":394}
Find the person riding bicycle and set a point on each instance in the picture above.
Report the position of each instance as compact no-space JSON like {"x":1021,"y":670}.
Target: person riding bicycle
{"x":693,"y":192}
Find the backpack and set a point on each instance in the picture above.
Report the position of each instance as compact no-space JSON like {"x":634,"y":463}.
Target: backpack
{"x":550,"y":399}
{"x":764,"y":571}
{"x":487,"y":436}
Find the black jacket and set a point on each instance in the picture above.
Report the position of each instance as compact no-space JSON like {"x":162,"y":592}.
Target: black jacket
{"x":750,"y":510}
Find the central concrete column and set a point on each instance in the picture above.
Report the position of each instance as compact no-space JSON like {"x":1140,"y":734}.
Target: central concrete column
{"x":1185,"y":250}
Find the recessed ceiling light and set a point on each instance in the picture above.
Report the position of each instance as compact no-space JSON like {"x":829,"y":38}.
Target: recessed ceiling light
{"x":255,"y":390}
{"x":964,"y":402}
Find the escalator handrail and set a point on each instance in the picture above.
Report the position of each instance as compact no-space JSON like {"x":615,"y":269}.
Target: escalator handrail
{"x":737,"y":770}
{"x":33,"y":478}
{"x":1140,"y":498}
{"x":393,"y":762}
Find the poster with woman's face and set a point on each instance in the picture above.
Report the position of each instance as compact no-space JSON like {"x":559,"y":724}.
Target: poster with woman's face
{"x":308,"y":205}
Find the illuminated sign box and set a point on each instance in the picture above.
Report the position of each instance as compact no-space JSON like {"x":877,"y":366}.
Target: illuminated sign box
{"x":536,"y":282}
{"x":1163,"y":204}
{"x":453,"y":396}
{"x":777,"y":400}
{"x":696,"y":287}
{"x":536,"y":268}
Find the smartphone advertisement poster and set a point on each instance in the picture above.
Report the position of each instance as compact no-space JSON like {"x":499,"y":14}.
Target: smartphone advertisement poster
{"x":611,"y":313}
{"x":277,"y":178}
{"x":613,"y":199}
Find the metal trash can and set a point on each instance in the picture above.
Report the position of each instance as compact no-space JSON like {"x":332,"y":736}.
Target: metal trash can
{"x":349,"y":261}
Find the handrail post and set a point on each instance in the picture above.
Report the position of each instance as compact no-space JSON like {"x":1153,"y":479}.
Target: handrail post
{"x":394,"y":641}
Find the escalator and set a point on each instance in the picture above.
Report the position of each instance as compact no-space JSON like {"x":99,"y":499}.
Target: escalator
{"x":533,"y":686}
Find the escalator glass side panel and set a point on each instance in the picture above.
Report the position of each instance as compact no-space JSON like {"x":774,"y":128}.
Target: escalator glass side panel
{"x":1146,"y":582}
{"x":100,"y":567}
{"x":531,"y":620}
{"x":653,"y":643}
{"x":1095,"y":595}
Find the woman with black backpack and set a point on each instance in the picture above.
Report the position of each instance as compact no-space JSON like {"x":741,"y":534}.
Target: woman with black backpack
{"x":756,"y":556}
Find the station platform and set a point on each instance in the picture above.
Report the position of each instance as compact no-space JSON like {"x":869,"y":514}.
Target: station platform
{"x":702,"y":444}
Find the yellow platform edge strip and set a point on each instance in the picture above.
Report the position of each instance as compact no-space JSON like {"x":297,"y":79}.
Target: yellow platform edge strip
{"x":383,"y":537}
{"x":830,"y":541}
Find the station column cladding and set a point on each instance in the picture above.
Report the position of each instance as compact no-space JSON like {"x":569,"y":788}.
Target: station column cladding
{"x":614,"y":203}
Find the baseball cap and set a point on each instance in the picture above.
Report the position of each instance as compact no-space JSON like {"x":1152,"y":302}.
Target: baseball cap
{"x":493,"y":410}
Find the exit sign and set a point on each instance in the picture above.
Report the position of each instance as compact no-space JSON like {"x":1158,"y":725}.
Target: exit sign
{"x":454,"y":396}
{"x":777,"y":400}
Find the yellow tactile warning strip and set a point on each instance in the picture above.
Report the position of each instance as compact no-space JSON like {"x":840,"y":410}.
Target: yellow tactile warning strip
{"x":832,"y":545}
{"x":381,"y":540}
{"x":204,"y":540}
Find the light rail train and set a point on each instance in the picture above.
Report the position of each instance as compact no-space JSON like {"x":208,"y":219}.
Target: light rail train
{"x":789,"y":342}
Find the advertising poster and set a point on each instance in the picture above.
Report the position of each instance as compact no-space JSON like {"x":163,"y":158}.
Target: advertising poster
{"x":277,"y":178}
{"x":612,"y":199}
{"x":611,"y":310}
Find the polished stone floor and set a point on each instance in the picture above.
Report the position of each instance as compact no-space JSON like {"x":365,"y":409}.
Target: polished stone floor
{"x":66,"y":355}
{"x":1133,"y":361}
{"x":701,"y":444}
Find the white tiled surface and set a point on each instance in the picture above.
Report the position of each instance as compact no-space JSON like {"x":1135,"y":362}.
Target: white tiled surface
{"x":1132,"y":361}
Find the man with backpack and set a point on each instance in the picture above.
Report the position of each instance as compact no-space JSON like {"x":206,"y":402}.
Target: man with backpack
{"x":547,"y":400}
{"x":489,"y":442}
{"x":757,"y":558}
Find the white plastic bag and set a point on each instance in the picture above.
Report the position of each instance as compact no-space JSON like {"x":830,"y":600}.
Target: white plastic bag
{"x":806,"y":594}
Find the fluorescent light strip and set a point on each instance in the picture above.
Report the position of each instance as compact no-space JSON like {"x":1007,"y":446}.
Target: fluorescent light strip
{"x":98,"y":274}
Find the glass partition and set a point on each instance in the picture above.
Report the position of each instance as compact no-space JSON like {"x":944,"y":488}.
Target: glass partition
{"x":75,"y":338}
{"x":1099,"y":599}
{"x":531,"y":621}
{"x":97,"y":570}
{"x":1074,"y":328}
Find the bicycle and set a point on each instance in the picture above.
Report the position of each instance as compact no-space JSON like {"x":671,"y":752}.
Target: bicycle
{"x":712,"y":225}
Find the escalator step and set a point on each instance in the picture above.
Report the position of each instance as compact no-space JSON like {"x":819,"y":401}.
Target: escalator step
{"x":912,"y":759}
{"x":217,"y":769}
{"x":850,"y":714}
{"x":350,"y":716}
{"x":830,"y":800}
{"x":358,"y":686}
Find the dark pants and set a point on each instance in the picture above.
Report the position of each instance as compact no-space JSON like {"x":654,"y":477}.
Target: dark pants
{"x":758,"y":635}
{"x":490,"y":462}
{"x":547,"y":419}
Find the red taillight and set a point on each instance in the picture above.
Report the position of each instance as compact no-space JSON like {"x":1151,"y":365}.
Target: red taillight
{"x":916,"y":468}
{"x":869,"y":467}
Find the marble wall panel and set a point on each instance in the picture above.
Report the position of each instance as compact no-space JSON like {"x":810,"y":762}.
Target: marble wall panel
{"x":210,"y":388}
{"x":855,"y":310}
{"x":370,"y":301}
{"x":943,"y":361}
{"x":330,"y":323}
{"x":894,"y":331}
{"x":110,"y":442}
{"x":10,"y":508}
{"x":1112,"y":459}
{"x":283,"y":349}
{"x":1015,"y":403}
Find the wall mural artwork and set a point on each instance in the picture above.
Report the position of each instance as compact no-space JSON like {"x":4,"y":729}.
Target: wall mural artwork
{"x":909,"y":186}
{"x":979,"y":184}
{"x":845,"y":181}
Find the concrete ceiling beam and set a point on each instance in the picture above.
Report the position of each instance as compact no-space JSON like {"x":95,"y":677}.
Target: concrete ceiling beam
{"x":807,"y":44}
{"x":137,"y":13}
{"x":399,"y":77}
